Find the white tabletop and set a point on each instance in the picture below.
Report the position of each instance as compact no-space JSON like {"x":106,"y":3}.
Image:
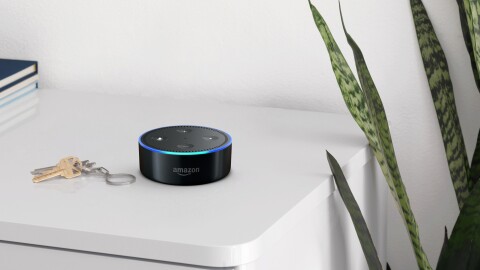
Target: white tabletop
{"x":279,"y":173}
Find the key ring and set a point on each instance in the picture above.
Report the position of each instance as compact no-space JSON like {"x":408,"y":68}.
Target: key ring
{"x":130,"y":179}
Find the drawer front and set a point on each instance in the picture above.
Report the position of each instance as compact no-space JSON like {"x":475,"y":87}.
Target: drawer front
{"x":20,"y":257}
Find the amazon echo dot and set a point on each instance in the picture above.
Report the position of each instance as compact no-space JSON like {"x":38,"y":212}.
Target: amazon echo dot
{"x":185,"y":155}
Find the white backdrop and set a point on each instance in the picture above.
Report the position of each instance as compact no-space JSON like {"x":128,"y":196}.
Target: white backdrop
{"x":266,"y":53}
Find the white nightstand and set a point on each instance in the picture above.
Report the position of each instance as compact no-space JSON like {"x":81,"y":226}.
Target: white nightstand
{"x":277,"y":209}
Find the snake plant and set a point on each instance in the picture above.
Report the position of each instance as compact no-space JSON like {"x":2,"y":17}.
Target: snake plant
{"x":365,"y":105}
{"x":462,"y":249}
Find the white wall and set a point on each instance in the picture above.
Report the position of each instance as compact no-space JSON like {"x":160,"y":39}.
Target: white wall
{"x":261,"y":53}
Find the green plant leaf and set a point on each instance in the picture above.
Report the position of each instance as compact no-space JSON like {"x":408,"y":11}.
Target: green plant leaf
{"x":475,"y":167}
{"x":359,"y":223}
{"x":351,"y":91}
{"x":436,"y":69}
{"x":379,"y":118}
{"x":463,"y":247}
{"x":464,"y":21}
{"x":445,"y":243}
{"x":472,"y":10}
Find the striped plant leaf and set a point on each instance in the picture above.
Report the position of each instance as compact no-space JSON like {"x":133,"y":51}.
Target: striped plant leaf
{"x":436,"y":69}
{"x":472,"y":11}
{"x":366,"y":108}
{"x":359,"y":223}
{"x":463,"y":248}
{"x":465,"y":18}
{"x":445,"y":243}
{"x":380,"y":121}
{"x":475,"y":167}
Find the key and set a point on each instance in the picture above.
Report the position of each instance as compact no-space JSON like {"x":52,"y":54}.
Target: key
{"x":87,"y":165}
{"x":68,"y":167}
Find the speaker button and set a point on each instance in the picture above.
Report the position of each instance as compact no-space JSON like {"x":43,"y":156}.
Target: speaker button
{"x":184,"y":130}
{"x":210,"y":138}
{"x":185,"y":146}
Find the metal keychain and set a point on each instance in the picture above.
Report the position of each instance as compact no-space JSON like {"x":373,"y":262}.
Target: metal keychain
{"x":89,"y":168}
{"x":113,"y":179}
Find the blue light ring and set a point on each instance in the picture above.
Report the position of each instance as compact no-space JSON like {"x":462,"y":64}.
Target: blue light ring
{"x":227,"y":144}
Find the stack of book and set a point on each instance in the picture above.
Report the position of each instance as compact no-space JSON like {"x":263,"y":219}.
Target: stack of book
{"x":18,"y":91}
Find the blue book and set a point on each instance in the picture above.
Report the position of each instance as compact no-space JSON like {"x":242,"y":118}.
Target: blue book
{"x":14,"y":70}
{"x":18,"y":95}
{"x":18,"y":85}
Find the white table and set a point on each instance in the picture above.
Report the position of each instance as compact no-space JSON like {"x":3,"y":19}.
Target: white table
{"x":275,"y":210}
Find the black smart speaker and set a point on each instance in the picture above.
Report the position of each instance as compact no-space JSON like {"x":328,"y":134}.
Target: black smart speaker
{"x":185,"y":155}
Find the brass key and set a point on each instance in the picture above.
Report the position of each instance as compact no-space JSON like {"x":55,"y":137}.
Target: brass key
{"x":68,"y":167}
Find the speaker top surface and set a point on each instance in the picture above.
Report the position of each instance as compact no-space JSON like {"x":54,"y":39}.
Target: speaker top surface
{"x":185,"y":140}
